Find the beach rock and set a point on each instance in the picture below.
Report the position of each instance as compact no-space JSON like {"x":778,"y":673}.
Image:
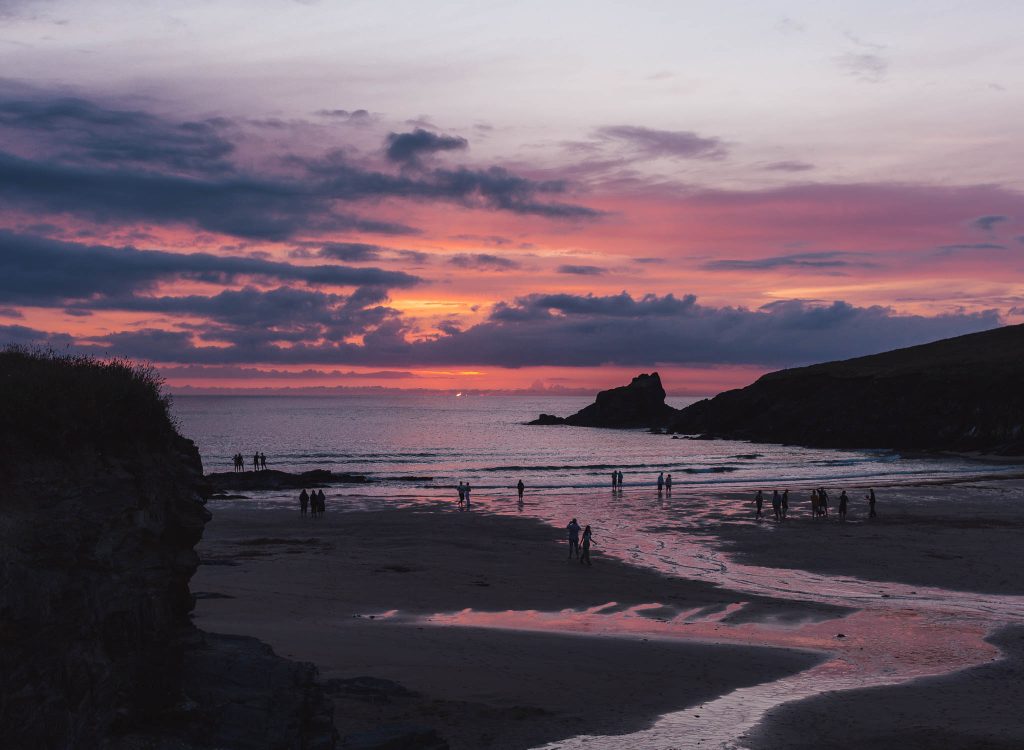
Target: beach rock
{"x":961,"y":394}
{"x":639,"y":404}
{"x":272,"y":479}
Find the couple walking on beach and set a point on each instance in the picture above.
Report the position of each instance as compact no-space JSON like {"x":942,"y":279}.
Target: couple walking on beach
{"x":314,"y":501}
{"x":464,"y":490}
{"x":664,"y":483}
{"x":573,"y":531}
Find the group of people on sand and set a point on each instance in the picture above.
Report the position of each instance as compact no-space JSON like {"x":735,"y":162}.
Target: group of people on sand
{"x":581,"y":551}
{"x":259,"y":462}
{"x":819,"y":504}
{"x":314,"y":502}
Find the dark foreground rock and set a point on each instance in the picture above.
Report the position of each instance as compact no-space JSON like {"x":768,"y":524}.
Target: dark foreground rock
{"x":272,"y":479}
{"x":959,"y":394}
{"x":639,"y":404}
{"x":98,"y":524}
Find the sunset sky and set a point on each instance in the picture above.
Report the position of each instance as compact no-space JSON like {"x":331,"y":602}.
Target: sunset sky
{"x":506,"y":195}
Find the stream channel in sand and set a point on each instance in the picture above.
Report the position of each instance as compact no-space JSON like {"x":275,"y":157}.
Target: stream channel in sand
{"x":895,"y":633}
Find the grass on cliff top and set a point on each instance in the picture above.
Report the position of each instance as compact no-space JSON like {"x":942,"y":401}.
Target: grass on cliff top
{"x":52,"y":403}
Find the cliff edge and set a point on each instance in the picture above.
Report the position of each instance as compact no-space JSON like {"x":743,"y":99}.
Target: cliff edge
{"x":958,"y":394}
{"x":100,"y":510}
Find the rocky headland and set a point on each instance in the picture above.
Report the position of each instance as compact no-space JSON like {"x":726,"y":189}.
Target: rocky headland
{"x":961,"y":394}
{"x":101,"y":508}
{"x":639,"y":404}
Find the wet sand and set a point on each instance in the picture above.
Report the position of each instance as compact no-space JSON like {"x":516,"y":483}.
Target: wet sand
{"x":505,"y":644}
{"x":959,"y":536}
{"x":323,"y":591}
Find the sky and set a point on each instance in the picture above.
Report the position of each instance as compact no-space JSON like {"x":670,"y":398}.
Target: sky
{"x":506,"y":195}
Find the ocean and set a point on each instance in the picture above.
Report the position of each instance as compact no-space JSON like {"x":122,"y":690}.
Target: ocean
{"x":421,"y":445}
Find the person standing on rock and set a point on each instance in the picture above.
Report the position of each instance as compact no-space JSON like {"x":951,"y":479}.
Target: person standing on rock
{"x":303,"y":501}
{"x":256,"y":461}
{"x":585,"y":555}
{"x":263,"y":461}
{"x":573,"y":532}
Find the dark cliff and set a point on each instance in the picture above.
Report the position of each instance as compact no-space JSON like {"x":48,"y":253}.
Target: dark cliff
{"x":100,"y":509}
{"x":959,"y":394}
{"x":639,"y":404}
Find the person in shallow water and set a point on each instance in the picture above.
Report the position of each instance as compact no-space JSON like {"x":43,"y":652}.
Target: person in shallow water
{"x":615,"y":478}
{"x":462,"y":495}
{"x":573,"y":532}
{"x":759,"y":503}
{"x":776,"y":505}
{"x":668,"y":484}
{"x":823,"y":501}
{"x":620,"y":479}
{"x":585,"y":554}
{"x":843,"y":500}
{"x":520,"y":488}
{"x":785,"y":503}
{"x":466,"y":491}
{"x":303,"y":501}
{"x":661,"y":481}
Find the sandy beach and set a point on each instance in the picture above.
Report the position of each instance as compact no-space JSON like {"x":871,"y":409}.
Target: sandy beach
{"x":487,"y":634}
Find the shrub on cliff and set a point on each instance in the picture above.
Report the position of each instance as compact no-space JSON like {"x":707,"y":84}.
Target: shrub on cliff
{"x":52,"y":403}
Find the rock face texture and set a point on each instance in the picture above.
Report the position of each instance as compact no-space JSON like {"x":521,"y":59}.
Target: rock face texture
{"x":959,"y":394}
{"x":639,"y":404}
{"x":98,"y":523}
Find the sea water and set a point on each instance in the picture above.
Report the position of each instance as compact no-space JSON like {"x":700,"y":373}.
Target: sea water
{"x":430,"y":442}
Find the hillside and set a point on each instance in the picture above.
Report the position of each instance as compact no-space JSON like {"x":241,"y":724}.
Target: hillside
{"x":958,"y":394}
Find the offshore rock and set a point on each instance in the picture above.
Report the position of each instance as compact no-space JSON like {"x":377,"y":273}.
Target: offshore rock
{"x":961,"y":394}
{"x":639,"y":404}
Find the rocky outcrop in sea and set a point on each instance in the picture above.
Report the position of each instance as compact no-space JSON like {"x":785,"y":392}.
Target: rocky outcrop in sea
{"x":639,"y":404}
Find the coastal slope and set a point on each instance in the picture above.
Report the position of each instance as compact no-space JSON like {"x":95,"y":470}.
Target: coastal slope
{"x":958,"y":394}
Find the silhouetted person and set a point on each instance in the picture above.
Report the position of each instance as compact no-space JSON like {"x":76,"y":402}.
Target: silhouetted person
{"x":759,"y":502}
{"x":573,"y":532}
{"x":255,"y":461}
{"x":521,"y":488}
{"x":304,"y":502}
{"x":466,"y":490}
{"x":615,"y":478}
{"x":668,"y":484}
{"x":785,"y":503}
{"x":263,"y":461}
{"x":815,"y":512}
{"x":462,"y":495}
{"x":321,"y":501}
{"x":871,"y":503}
{"x":661,"y":481}
{"x":585,"y":555}
{"x":823,"y":501}
{"x":620,"y":479}
{"x":776,"y":505}
{"x":843,"y":500}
